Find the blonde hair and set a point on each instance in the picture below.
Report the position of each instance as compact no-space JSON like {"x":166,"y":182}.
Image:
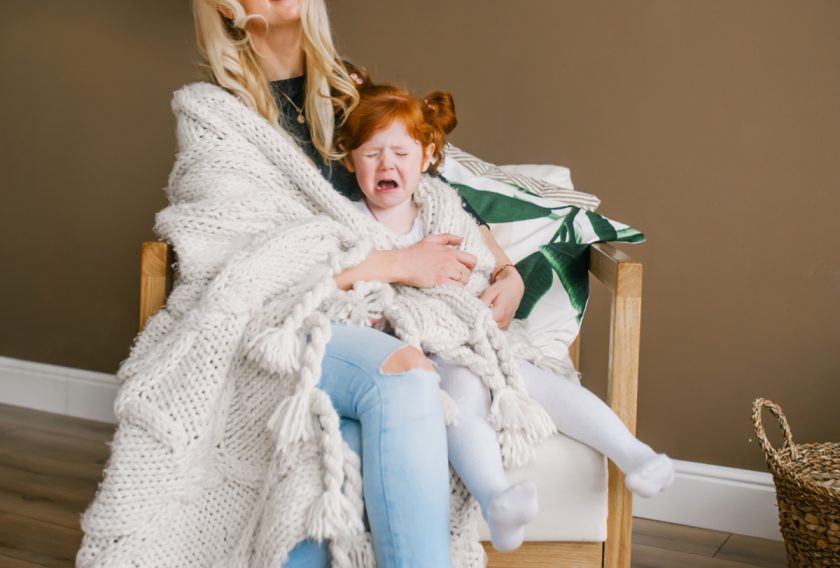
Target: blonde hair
{"x":231,"y":61}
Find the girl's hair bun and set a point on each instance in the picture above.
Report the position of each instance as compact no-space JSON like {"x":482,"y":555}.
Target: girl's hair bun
{"x":439,"y":111}
{"x":427,"y":120}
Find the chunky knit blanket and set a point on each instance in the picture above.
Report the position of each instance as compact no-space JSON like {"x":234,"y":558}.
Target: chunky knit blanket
{"x":227,"y":453}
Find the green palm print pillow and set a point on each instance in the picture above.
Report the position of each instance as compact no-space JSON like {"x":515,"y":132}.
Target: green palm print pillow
{"x":545,"y":227}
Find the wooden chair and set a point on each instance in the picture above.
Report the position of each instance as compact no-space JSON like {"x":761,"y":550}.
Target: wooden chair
{"x":623,"y":278}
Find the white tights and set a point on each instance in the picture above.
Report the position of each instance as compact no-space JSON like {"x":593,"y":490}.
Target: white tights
{"x":577,"y":412}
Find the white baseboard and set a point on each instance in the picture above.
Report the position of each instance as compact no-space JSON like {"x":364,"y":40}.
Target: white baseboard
{"x":57,"y":389}
{"x":709,"y":496}
{"x":715,"y":497}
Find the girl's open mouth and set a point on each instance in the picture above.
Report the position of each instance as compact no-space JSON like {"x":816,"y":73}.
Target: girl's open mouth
{"x":387,"y":184}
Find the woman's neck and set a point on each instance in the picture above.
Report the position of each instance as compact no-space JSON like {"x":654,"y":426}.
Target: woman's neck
{"x":280,"y":51}
{"x":399,"y":218}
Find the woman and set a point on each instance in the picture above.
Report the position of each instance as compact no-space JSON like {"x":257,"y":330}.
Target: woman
{"x":285,"y":60}
{"x":176,"y":407}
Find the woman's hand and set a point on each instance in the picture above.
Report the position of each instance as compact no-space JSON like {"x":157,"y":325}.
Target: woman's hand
{"x":504,"y":295}
{"x":434,"y":261}
{"x":426,"y":264}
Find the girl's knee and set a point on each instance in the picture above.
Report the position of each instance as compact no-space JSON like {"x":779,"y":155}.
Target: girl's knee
{"x":465,"y":387}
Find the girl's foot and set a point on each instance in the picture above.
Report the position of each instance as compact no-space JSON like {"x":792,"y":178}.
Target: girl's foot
{"x":653,"y":476}
{"x":509,"y":512}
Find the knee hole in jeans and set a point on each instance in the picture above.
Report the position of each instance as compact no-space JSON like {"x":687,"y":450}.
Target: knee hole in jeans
{"x":405,"y":359}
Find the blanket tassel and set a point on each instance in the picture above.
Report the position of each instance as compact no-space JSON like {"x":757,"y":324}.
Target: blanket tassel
{"x":512,"y":408}
{"x":517,"y":447}
{"x":355,"y":553}
{"x":522,"y":423}
{"x":450,"y":409}
{"x":277,"y":349}
{"x":333,"y":516}
{"x":292,"y":421}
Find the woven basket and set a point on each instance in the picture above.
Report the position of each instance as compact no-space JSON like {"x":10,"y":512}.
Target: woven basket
{"x":807,"y":480}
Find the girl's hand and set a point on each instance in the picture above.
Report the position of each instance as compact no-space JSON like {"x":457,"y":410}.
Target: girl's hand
{"x":434,"y":261}
{"x":504,"y":295}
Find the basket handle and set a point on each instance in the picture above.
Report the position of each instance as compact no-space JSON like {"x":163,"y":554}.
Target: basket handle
{"x":775,"y":409}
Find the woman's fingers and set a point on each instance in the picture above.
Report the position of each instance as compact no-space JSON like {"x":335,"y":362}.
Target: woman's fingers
{"x":460,"y":275}
{"x":435,"y":260}
{"x":467,"y":259}
{"x":445,"y":239}
{"x":448,"y":239}
{"x":489,"y":295}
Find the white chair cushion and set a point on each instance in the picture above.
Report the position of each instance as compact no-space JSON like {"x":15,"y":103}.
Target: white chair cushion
{"x":572,"y":482}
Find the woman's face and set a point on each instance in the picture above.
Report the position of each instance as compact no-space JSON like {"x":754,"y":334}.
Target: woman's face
{"x":388,"y":165}
{"x":275,"y":12}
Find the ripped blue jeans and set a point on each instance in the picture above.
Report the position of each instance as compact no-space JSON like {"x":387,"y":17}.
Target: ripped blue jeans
{"x":394,"y":421}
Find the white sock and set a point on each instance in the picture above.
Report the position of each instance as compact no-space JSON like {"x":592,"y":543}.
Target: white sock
{"x":652,"y":477}
{"x":508,"y":514}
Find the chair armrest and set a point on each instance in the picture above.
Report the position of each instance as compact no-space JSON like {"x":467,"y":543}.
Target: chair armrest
{"x":623,"y":277}
{"x":616,"y":270}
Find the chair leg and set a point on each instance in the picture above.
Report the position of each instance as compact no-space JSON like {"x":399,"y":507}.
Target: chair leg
{"x":622,"y":394}
{"x":618,"y":546}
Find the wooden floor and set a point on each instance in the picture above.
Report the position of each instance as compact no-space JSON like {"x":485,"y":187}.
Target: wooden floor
{"x":50,"y":466}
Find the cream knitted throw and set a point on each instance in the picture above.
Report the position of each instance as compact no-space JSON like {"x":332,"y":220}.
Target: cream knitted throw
{"x":227,"y":454}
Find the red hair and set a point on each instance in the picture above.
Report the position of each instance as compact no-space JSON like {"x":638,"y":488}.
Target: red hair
{"x":428,"y":120}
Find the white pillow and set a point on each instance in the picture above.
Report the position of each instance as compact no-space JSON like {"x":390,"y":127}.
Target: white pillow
{"x":555,"y":175}
{"x":545,"y":228}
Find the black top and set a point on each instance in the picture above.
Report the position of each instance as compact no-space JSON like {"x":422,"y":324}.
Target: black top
{"x":343,"y":180}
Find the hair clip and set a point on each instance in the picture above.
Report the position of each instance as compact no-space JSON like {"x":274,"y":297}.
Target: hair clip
{"x":356,"y":79}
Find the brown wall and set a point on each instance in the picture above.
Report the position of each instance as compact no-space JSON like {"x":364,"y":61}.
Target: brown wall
{"x":712,"y":126}
{"x":87,"y":143}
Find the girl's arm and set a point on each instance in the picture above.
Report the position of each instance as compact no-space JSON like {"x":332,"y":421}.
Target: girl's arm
{"x":426,"y":264}
{"x":381,"y":265}
{"x":505,"y":294}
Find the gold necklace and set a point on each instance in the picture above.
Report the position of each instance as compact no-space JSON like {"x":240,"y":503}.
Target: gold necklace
{"x":300,"y":118}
